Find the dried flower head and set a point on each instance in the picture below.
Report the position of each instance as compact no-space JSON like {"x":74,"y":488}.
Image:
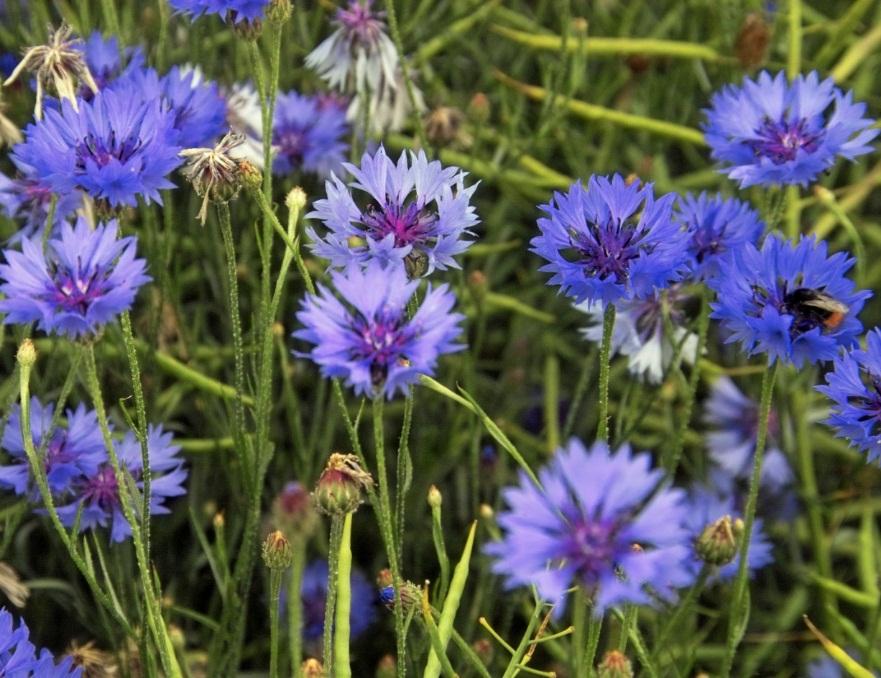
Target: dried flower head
{"x":11,"y":586}
{"x":342,"y":484}
{"x":9,"y":132}
{"x":214,"y":172}
{"x":60,"y":63}
{"x":94,"y":663}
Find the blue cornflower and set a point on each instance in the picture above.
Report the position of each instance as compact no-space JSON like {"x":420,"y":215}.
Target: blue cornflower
{"x":416,"y":211}
{"x":788,"y":300}
{"x":75,"y":448}
{"x":314,"y":593}
{"x":599,"y":524}
{"x":732,"y":420}
{"x":308,"y":136}
{"x":107,"y":62}
{"x":233,"y":11}
{"x":98,"y":493}
{"x":770,"y":131}
{"x":197,"y":108}
{"x":854,"y":386}
{"x":369,"y":341}
{"x":705,"y":507}
{"x":83,"y":280}
{"x":26,"y":200}
{"x":19,"y":657}
{"x":115,"y":148}
{"x":716,"y":226}
{"x":610,"y":241}
{"x":641,"y":333}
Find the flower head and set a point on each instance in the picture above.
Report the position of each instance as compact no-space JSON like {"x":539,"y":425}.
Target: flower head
{"x":716,"y":226}
{"x":854,"y":386}
{"x":733,"y":421}
{"x":314,"y":593}
{"x":115,"y":148}
{"x":640,"y":332}
{"x":610,"y":241}
{"x":10,"y":134}
{"x":705,"y":507}
{"x":83,"y":280}
{"x":307,"y":135}
{"x":414,"y":211}
{"x":788,"y":300}
{"x":359,"y":56}
{"x":369,"y":341}
{"x":96,"y":496}
{"x":59,"y":63}
{"x":599,"y":524}
{"x":25,"y":199}
{"x":20,"y":659}
{"x":214,"y":172}
{"x":387,"y":109}
{"x":771,"y":131}
{"x":234,"y":11}
{"x":73,"y":449}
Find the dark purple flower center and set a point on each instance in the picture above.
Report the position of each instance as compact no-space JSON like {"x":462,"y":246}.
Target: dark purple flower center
{"x":780,"y":141}
{"x":592,"y":547}
{"x":102,"y":151}
{"x":706,"y":241}
{"x":607,"y":250}
{"x":101,"y":489}
{"x":292,"y":144}
{"x":75,"y":291}
{"x":648,"y":314}
{"x":360,"y":23}
{"x":382,"y":342}
{"x":409,"y":224}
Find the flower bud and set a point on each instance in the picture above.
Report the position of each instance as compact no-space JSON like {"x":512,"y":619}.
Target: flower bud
{"x":387,"y":667}
{"x":27,"y":354}
{"x":341,"y":485}
{"x":311,"y":668}
{"x":442,"y":125}
{"x":435,"y":499}
{"x":486,"y":512}
{"x":295,"y":199}
{"x":615,"y":665}
{"x":293,"y":512}
{"x":411,"y":595}
{"x":479,"y":107}
{"x":245,"y":30}
{"x":478,"y":285}
{"x":751,"y":45}
{"x":484,"y":649}
{"x":252,"y":177}
{"x":277,"y":551}
{"x":719,"y":541}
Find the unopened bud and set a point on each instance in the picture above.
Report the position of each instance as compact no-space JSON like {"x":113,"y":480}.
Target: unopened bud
{"x":218,"y":521}
{"x":484,"y":649}
{"x":442,"y":125}
{"x":27,"y":354}
{"x":311,"y":668}
{"x":718,"y":543}
{"x":279,"y":11}
{"x":824,"y":195}
{"x":387,"y":667}
{"x":277,"y":551}
{"x":295,"y":199}
{"x":293,"y":512}
{"x":615,"y":665}
{"x":435,"y":499}
{"x":342,"y":484}
{"x":479,"y":107}
{"x":751,"y":45}
{"x":252,"y":177}
{"x":478,"y":285}
{"x":246,"y":30}
{"x":411,"y":595}
{"x":579,"y":25}
{"x":486,"y":512}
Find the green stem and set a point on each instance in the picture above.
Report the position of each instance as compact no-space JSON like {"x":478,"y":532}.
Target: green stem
{"x":793,"y":61}
{"x":295,"y":605}
{"x":336,"y":535}
{"x":739,"y":609}
{"x":384,"y":513}
{"x":274,"y":596}
{"x":681,"y":609}
{"x":703,"y":324}
{"x":341,"y":662}
{"x":605,"y":359}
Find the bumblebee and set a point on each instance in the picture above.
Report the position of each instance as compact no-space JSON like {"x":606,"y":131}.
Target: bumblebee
{"x":817,"y":307}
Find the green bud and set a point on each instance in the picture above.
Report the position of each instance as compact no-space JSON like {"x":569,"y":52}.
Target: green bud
{"x":435,"y":499}
{"x":341,"y":486}
{"x":311,"y":668}
{"x":387,"y":667}
{"x":719,"y":541}
{"x":252,"y":178}
{"x":295,"y":199}
{"x":615,"y":665}
{"x":279,"y":11}
{"x":277,"y":551}
{"x":27,"y":354}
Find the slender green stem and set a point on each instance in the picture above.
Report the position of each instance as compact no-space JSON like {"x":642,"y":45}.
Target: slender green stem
{"x":681,"y":609}
{"x":38,"y":471}
{"x":739,"y":610}
{"x":295,"y":605}
{"x":408,"y":82}
{"x":703,"y":324}
{"x":605,"y":359}
{"x":341,"y":663}
{"x":275,"y":575}
{"x":793,"y":61}
{"x":336,"y":535}
{"x":579,"y":637}
{"x":403,"y":470}
{"x":126,"y":487}
{"x":384,"y":513}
